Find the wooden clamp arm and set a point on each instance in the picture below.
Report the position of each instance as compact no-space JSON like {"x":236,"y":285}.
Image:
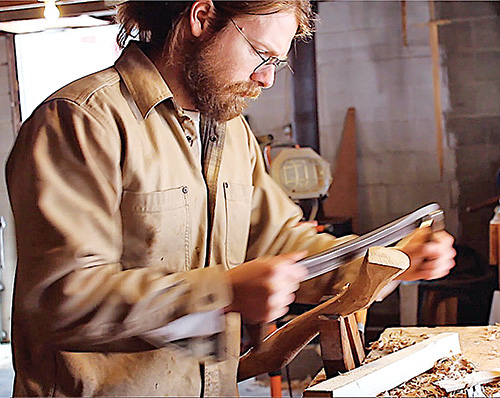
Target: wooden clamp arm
{"x":377,"y":268}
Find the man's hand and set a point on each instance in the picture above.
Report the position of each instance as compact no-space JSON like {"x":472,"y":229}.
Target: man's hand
{"x":429,"y":259}
{"x":263,"y":288}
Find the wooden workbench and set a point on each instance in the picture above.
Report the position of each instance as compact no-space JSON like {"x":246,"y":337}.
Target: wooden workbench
{"x":479,"y":344}
{"x":473,"y":341}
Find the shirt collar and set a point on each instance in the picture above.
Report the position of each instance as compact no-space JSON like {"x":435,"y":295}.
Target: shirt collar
{"x":143,"y":81}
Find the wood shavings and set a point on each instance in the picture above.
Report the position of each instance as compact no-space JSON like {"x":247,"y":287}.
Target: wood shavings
{"x":392,"y":343}
{"x":492,"y":332}
{"x":425,"y":385}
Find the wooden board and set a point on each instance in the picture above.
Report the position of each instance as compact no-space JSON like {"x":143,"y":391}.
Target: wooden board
{"x":342,"y":198}
{"x":388,"y":371}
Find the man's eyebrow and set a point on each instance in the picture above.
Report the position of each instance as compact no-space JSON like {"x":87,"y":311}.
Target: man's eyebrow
{"x":267,"y":49}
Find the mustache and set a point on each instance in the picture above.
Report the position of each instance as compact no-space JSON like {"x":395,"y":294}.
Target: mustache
{"x":250,"y":90}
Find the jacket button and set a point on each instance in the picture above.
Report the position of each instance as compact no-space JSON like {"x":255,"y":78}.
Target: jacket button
{"x":185,"y":190}
{"x":213,"y":138}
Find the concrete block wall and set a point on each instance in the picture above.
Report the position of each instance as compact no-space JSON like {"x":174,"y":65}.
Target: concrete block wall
{"x":472,"y":68}
{"x":362,"y":63}
{"x":273,"y":111}
{"x":7,"y":136}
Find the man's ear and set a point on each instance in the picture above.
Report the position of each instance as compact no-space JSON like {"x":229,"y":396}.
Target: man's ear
{"x":199,"y":16}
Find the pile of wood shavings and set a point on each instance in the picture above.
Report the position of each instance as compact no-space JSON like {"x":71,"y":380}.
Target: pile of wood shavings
{"x":423,"y":385}
{"x":492,"y":332}
{"x":392,"y":343}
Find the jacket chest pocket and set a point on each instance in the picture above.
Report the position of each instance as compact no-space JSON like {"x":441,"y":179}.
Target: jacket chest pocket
{"x":238,"y":202}
{"x":156,"y":229}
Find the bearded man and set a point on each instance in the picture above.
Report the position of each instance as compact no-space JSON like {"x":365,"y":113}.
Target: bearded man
{"x":147,"y":226}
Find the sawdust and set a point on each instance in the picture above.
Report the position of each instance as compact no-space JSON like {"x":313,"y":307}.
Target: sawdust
{"x":424,"y":385}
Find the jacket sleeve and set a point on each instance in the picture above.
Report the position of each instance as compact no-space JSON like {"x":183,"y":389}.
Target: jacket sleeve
{"x":64,"y":180}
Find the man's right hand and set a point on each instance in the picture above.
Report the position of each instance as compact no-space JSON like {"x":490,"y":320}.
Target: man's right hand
{"x":263,"y":288}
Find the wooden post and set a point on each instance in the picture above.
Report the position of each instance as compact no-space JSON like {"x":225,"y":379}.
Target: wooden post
{"x":436,"y":81}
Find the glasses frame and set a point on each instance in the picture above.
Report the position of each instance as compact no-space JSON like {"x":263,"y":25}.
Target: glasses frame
{"x":278,"y":63}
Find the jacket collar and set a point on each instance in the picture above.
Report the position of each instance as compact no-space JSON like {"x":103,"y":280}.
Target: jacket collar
{"x":144,"y":82}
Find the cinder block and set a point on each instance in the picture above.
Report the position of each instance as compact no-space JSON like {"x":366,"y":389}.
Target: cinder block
{"x":457,"y":37}
{"x":334,"y":17}
{"x":491,"y":126}
{"x":373,"y":138}
{"x":427,"y":167}
{"x":399,"y":102}
{"x":487,"y":65}
{"x":401,"y":168}
{"x":403,"y":199}
{"x":420,"y":135}
{"x":268,"y":116}
{"x":467,"y":130}
{"x":364,"y":82}
{"x":376,"y":14}
{"x":368,"y":37}
{"x":329,"y":140}
{"x":486,"y":33}
{"x":463,"y":98}
{"x":459,"y":68}
{"x":471,"y":161}
{"x":487,"y":95}
{"x":460,"y":9}
{"x":417,"y":13}
{"x":332,"y":41}
{"x":418,"y":71}
{"x":417,"y":35}
{"x":372,"y":206}
{"x":421,"y":101}
{"x":372,"y":169}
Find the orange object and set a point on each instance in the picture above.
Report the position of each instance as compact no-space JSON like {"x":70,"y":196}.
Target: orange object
{"x":275,"y":378}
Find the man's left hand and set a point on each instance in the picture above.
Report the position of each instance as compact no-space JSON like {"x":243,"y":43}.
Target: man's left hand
{"x":429,"y":258}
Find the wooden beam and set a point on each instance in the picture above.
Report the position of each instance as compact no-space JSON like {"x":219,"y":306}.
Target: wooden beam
{"x":390,"y":371}
{"x":404,"y":20}
{"x":436,"y":83}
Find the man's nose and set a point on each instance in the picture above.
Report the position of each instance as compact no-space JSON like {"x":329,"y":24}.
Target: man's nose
{"x":264,"y":76}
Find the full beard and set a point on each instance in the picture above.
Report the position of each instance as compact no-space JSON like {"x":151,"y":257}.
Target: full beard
{"x":206,"y":82}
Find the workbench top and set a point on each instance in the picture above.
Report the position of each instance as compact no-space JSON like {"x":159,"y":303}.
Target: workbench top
{"x":479,"y":344}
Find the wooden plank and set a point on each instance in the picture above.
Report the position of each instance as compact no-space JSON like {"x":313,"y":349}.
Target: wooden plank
{"x":355,"y":340}
{"x":436,"y":83}
{"x":342,"y":198}
{"x":389,"y":371}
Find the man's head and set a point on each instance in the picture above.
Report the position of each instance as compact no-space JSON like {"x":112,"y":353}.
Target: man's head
{"x":225,"y":52}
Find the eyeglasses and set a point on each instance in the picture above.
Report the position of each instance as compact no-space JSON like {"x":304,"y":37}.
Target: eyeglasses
{"x":278,"y":64}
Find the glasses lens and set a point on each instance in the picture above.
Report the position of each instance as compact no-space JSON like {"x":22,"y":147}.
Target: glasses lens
{"x":280,"y":65}
{"x":277,"y":63}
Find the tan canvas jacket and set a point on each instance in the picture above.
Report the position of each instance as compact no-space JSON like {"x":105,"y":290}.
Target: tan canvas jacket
{"x":114,"y":294}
